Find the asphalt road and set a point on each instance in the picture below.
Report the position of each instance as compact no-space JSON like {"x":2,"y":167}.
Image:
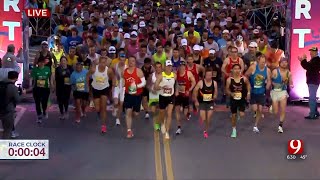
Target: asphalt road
{"x":78,"y":151}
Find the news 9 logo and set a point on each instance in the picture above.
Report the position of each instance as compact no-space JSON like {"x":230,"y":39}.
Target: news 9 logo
{"x":295,"y":147}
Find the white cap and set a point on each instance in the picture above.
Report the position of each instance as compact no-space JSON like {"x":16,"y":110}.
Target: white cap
{"x":199,"y":15}
{"x":135,"y":27}
{"x":93,"y":2}
{"x":174,"y":25}
{"x":259,"y":27}
{"x":168,"y":63}
{"x":226,"y":31}
{"x":124,"y":16}
{"x":112,"y":50}
{"x":118,"y":11}
{"x":253,"y":44}
{"x":134,"y":33}
{"x":44,"y":43}
{"x":142,"y":24}
{"x":126,"y":36}
{"x":188,"y":20}
{"x":184,"y":42}
{"x":229,"y":19}
{"x":120,"y":30}
{"x":197,"y":47}
{"x":239,"y":38}
{"x":212,"y":51}
{"x":256,"y":31}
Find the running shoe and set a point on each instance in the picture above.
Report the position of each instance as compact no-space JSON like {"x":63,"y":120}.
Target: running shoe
{"x":262,"y":115}
{"x":39,"y":119}
{"x":205,"y":134}
{"x":167,"y":136}
{"x":157,"y":127}
{"x":46,"y":116}
{"x":147,"y":116}
{"x":234,"y":133}
{"x":118,"y":122}
{"x":179,"y":131}
{"x":255,"y":129}
{"x":14,"y":134}
{"x":103,"y":129}
{"x":163,"y":128}
{"x":280,"y":129}
{"x":83,"y":114}
{"x":129,"y":134}
{"x":188,"y":116}
{"x":78,"y":121}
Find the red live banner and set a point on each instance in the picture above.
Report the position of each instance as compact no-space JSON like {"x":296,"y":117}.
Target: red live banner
{"x":10,"y":24}
{"x":38,"y":13}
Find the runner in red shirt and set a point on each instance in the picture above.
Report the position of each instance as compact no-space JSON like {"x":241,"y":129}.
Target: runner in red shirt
{"x":134,"y":82}
{"x":186,"y":83}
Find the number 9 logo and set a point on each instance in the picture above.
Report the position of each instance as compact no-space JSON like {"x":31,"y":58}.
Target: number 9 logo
{"x":296,"y":146}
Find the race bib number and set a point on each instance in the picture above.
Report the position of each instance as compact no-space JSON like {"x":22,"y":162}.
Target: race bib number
{"x":41,"y":83}
{"x":277,"y":87}
{"x":80,"y":86}
{"x":67,"y":81}
{"x":132,"y":89}
{"x":207,"y":97}
{"x":237,"y":95}
{"x":167,"y":91}
{"x":182,"y":89}
{"x":214,"y":74}
{"x":100,"y":80}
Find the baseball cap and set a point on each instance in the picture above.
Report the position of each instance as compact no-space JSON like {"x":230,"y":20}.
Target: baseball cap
{"x":197,"y":47}
{"x":229,"y":19}
{"x":112,"y":50}
{"x":135,"y":27}
{"x":184,"y":42}
{"x":142,"y":24}
{"x":256,"y":31}
{"x":212,"y":51}
{"x":44,"y":43}
{"x":188,"y":20}
{"x":124,"y":16}
{"x":225,"y":31}
{"x":313,"y":49}
{"x":134,"y":34}
{"x":253,"y":44}
{"x":126,"y":36}
{"x":168,"y":63}
{"x":182,"y":62}
{"x":174,"y":25}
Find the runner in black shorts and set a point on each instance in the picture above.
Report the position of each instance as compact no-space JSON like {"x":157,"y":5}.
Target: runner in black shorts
{"x":80,"y":93}
{"x":147,"y":70}
{"x":238,"y":88}
{"x":204,"y":94}
{"x":165,"y":83}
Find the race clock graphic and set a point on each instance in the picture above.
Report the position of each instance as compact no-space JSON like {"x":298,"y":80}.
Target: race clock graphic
{"x":24,"y":149}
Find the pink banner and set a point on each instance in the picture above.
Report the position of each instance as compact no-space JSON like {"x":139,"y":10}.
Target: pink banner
{"x":305,"y":33}
{"x":10,"y":24}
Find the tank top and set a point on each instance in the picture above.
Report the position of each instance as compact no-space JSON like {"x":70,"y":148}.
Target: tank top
{"x":168,"y":81}
{"x":198,"y":61}
{"x":119,"y":74}
{"x":257,"y":80}
{"x":229,"y":66}
{"x":206,"y":93}
{"x":131,"y":81}
{"x":280,"y":84}
{"x":146,"y":71}
{"x":194,"y":72}
{"x":160,"y":59}
{"x":187,"y":51}
{"x":238,"y":88}
{"x":184,"y":83}
{"x":100,"y":79}
{"x":153,"y":80}
{"x":175,"y":63}
{"x":58,"y":55}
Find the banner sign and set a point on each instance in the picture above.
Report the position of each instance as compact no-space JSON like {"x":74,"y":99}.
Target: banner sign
{"x":10,"y":24}
{"x":305,"y":33}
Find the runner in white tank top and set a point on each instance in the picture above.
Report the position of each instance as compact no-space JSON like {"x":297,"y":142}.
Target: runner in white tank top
{"x":101,"y":74}
{"x":118,"y":93}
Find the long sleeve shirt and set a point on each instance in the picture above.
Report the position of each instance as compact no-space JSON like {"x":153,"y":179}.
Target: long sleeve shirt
{"x":313,"y":68}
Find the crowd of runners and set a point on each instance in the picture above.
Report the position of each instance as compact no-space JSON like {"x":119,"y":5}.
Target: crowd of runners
{"x":165,"y":58}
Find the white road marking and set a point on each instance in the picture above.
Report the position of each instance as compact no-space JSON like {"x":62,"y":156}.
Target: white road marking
{"x":18,"y":118}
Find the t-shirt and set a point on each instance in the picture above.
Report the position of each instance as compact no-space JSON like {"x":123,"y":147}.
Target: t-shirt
{"x":41,"y":76}
{"x":78,"y":80}
{"x":73,"y":61}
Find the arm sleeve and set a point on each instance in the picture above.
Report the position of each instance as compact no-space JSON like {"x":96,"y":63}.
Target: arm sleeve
{"x":143,"y":83}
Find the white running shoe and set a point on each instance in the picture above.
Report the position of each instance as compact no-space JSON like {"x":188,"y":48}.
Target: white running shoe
{"x":163,"y":128}
{"x":255,"y":129}
{"x":118,"y":122}
{"x":39,"y":119}
{"x":280,"y":129}
{"x":61,"y":117}
{"x":147,"y":116}
{"x":14,"y":134}
{"x":179,"y":131}
{"x":167,"y":136}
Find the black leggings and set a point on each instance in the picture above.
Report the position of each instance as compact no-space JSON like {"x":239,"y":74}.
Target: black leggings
{"x":41,"y":97}
{"x":63,"y":97}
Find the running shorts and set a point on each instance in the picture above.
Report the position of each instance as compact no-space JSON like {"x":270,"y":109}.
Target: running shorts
{"x":132,"y":102}
{"x":98,"y":93}
{"x":259,"y":99}
{"x":206,"y":106}
{"x":81,"y":95}
{"x":164,"y":101}
{"x":278,"y":95}
{"x":236,"y":105}
{"x":182,"y":101}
